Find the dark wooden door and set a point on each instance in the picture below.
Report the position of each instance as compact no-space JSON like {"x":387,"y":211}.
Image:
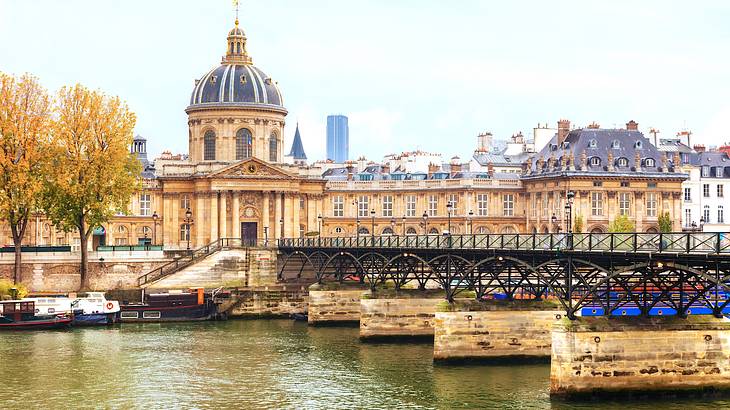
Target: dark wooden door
{"x":249,"y":231}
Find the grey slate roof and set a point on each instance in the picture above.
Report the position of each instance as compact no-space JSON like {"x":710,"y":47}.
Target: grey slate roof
{"x":297,"y":148}
{"x":236,"y":84}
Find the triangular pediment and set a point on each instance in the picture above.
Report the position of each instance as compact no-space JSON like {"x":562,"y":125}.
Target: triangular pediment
{"x":252,"y":168}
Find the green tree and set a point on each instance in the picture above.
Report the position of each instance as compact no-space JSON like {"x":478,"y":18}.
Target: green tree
{"x":578,"y":223}
{"x":94,"y":172}
{"x":621,"y":224}
{"x":665,"y":222}
{"x":24,"y":120}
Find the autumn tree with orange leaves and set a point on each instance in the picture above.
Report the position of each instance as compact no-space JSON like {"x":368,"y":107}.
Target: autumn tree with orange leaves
{"x":25,"y":118}
{"x":91,"y":172}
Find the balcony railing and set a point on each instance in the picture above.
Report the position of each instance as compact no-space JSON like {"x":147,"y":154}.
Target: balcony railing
{"x":675,"y":242}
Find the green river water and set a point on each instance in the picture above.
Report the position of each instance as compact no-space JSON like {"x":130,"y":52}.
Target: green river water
{"x":257,"y":365}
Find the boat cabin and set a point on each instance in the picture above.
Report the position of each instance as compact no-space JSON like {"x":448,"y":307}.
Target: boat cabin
{"x":16,"y":310}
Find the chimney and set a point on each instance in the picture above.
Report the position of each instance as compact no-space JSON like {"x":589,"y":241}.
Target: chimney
{"x":594,"y":125}
{"x":699,"y":148}
{"x":350,"y":171}
{"x":632,"y":126}
{"x":455,"y":168}
{"x":490,"y":169}
{"x":385,"y":168}
{"x":563,"y":129}
{"x":432,"y":169}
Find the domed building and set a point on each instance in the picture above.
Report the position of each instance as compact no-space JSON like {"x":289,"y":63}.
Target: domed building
{"x":236,"y":110}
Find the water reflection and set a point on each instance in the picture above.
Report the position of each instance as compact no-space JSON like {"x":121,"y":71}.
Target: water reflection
{"x":258,"y":364}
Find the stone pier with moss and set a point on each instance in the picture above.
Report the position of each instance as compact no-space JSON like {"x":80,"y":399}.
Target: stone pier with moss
{"x":640,"y":356}
{"x":335,"y":303}
{"x":398,"y":314}
{"x":494,"y":330}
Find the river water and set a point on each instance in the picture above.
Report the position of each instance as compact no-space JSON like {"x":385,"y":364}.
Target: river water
{"x":257,"y":365}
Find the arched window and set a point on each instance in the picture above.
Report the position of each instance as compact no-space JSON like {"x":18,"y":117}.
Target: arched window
{"x":410,"y":231}
{"x":363,"y":231}
{"x":592,"y":144}
{"x":243,"y":144}
{"x":595,"y":161}
{"x":273,"y":147}
{"x":482,"y":230}
{"x":209,"y":145}
{"x":615,"y":144}
{"x":433,"y":231}
{"x":508,"y":230}
{"x":649,"y":162}
{"x":387,"y":231}
{"x":338,"y":230}
{"x":622,"y":162}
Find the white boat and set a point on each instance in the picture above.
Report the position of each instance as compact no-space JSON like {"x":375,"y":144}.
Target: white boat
{"x":51,"y":305}
{"x":95,"y":309}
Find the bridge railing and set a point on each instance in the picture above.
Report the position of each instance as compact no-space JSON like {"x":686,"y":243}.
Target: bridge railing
{"x":674,"y":242}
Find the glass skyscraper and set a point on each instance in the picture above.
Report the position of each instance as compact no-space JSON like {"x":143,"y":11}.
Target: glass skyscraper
{"x":338,"y":138}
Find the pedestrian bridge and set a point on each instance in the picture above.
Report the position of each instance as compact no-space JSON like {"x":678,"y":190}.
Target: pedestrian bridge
{"x":626,"y":274}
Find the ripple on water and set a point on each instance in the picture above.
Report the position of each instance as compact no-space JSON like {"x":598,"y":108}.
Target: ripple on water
{"x":258,"y":364}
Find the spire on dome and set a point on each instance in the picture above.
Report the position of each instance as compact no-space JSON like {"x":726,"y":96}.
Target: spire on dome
{"x":297,"y":148}
{"x":236,"y":51}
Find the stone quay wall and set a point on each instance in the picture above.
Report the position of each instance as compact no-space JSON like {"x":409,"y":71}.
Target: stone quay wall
{"x":494,"y":330}
{"x":59,"y":272}
{"x":270,"y":301}
{"x":641,"y":356}
{"x":405,"y":313}
{"x":335,"y":304}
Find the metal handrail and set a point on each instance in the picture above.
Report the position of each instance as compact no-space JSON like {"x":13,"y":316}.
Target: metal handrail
{"x":194,"y":255}
{"x":702,"y":243}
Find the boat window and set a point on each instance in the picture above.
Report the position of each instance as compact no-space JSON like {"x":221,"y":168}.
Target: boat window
{"x":130,"y":315}
{"x":151,"y":315}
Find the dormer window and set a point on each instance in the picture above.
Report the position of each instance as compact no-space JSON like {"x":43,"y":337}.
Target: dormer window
{"x":649,"y":162}
{"x":595,"y":162}
{"x":566,"y":145}
{"x":592,"y":144}
{"x":718,"y":172}
{"x":615,"y":144}
{"x":637,"y":145}
{"x":553,"y":147}
{"x":705,"y":171}
{"x":622,"y":162}
{"x":243,"y":79}
{"x":213,"y":79}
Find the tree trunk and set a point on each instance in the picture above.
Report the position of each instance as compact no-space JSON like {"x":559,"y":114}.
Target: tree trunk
{"x":18,"y":262}
{"x":84,"y":255}
{"x":18,"y":231}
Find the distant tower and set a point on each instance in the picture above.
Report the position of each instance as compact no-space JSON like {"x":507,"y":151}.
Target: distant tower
{"x":338,"y":138}
{"x":484,"y":142}
{"x":139,"y":147}
{"x":297,"y":149}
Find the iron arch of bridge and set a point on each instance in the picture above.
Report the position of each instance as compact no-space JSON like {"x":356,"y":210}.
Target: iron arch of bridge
{"x":606,"y":281}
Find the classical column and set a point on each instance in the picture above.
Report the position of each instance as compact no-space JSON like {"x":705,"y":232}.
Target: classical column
{"x":288,"y":215}
{"x":223,"y":216}
{"x":236,"y":215}
{"x":295,"y":214}
{"x":311,"y":215}
{"x":213,"y":220}
{"x":277,"y":215}
{"x":172,"y":225}
{"x":265,"y":215}
{"x":199,"y":221}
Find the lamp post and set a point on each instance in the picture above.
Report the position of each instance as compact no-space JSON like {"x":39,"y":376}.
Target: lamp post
{"x":372,"y":225}
{"x":319,"y":225}
{"x":281,"y":227}
{"x":449,"y":208}
{"x":425,"y":223}
{"x":188,"y":221}
{"x":266,"y":236}
{"x":569,"y":211}
{"x":392,"y":225}
{"x":404,"y":225}
{"x":357,"y":230}
{"x":469,"y":221}
{"x":154,"y":227}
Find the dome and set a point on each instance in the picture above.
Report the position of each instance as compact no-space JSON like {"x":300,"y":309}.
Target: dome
{"x":236,"y":85}
{"x":236,"y":82}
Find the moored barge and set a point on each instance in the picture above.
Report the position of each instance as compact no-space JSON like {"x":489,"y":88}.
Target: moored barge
{"x":192,"y":305}
{"x":21,"y":315}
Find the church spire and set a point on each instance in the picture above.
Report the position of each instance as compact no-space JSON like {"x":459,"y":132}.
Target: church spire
{"x":236,"y":51}
{"x":297,"y":148}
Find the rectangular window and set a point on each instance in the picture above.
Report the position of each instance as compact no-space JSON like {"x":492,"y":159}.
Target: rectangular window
{"x":651,"y":185}
{"x":545,"y":209}
{"x":433,"y":205}
{"x":338,"y":206}
{"x":687,"y":217}
{"x":705,"y":171}
{"x":720,"y":215}
{"x":387,"y":205}
{"x":144,"y":204}
{"x":363,"y":206}
{"x":688,"y":195}
{"x":597,"y":203}
{"x":706,"y":190}
{"x":185,"y":232}
{"x":706,"y":214}
{"x":454,"y":201}
{"x":651,"y":204}
{"x":720,"y":191}
{"x":625,"y":184}
{"x":185,"y":202}
{"x":120,"y":241}
{"x":410,"y":205}
{"x":597,"y":183}
{"x":483,"y":204}
{"x":624,"y":203}
{"x":718,"y":172}
{"x":508,"y":204}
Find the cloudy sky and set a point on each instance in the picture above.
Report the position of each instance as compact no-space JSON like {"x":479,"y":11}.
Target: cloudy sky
{"x":409,"y":73}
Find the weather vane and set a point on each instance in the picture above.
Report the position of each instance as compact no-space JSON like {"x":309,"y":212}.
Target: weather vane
{"x":236,"y":4}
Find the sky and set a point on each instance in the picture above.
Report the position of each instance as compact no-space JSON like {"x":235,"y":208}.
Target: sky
{"x":410,"y":74}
